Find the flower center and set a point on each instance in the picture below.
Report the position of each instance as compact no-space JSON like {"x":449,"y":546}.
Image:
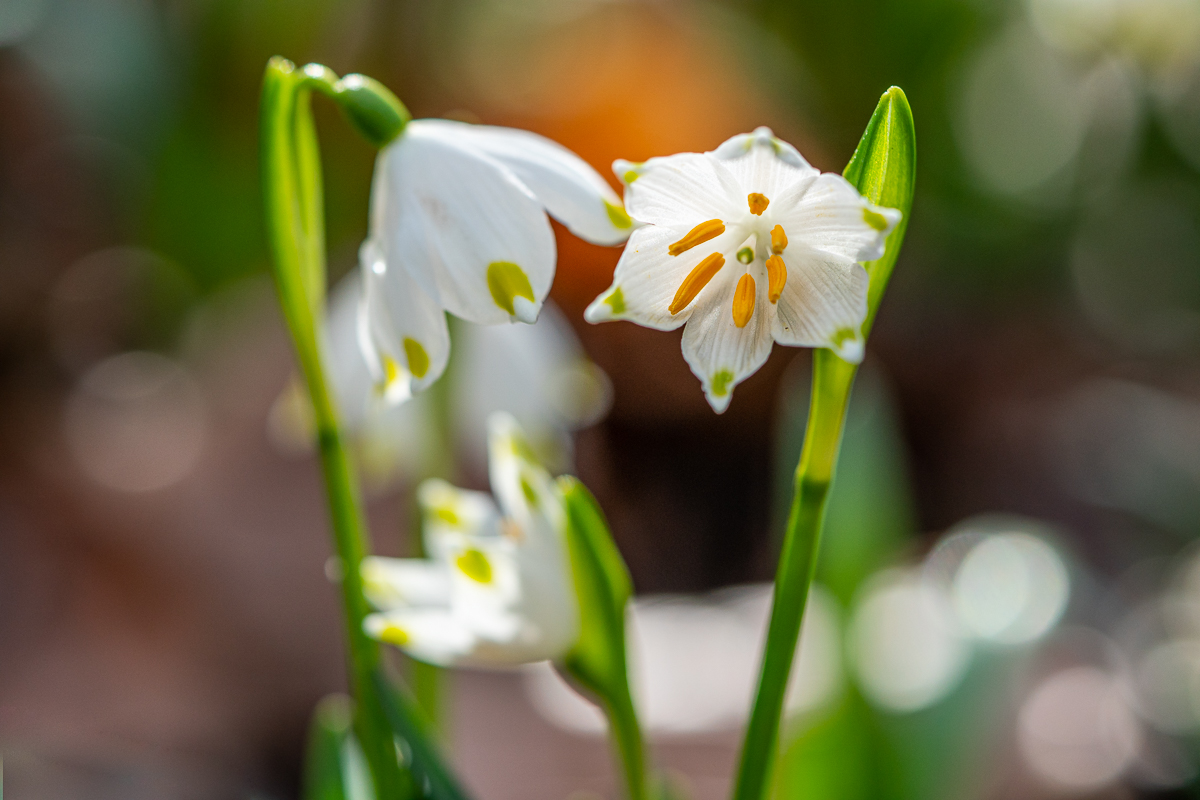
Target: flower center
{"x":758,"y":203}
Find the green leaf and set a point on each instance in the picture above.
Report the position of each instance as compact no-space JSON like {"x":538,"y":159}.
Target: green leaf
{"x":884,"y":170}
{"x":597,"y":661}
{"x":603,"y":586}
{"x":334,"y":767}
{"x":409,"y":725}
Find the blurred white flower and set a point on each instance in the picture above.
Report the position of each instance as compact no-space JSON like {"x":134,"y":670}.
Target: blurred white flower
{"x":458,"y":224}
{"x":538,"y":373}
{"x":497,"y":590}
{"x":748,"y":245}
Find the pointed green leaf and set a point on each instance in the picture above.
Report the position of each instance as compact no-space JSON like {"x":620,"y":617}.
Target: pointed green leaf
{"x":603,"y":586}
{"x":334,"y":766}
{"x":598,"y":660}
{"x":884,"y":169}
{"x":411,"y":728}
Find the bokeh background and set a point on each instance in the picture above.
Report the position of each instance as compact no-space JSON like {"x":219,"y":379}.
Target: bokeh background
{"x":1010,"y":594}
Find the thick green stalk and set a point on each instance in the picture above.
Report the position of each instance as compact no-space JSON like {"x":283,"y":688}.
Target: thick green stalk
{"x":292,"y":189}
{"x":626,"y":734}
{"x":831,"y":384}
{"x":883,"y":169}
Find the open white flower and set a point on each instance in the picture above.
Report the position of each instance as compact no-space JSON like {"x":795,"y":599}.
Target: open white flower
{"x":497,"y":589}
{"x":750,"y":245}
{"x":458,"y":224}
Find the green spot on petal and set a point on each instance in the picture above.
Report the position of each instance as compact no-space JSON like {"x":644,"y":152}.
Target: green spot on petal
{"x":507,"y":281}
{"x":630,"y":176}
{"x":418,"y":359}
{"x":445,"y":514}
{"x":721,"y":382}
{"x":391,"y":370}
{"x":844,"y":335}
{"x":475,"y":565}
{"x":529,"y":492}
{"x":616,"y":301}
{"x":875,"y":219}
{"x":394,"y":634}
{"x":617,"y":216}
{"x":745,"y":255}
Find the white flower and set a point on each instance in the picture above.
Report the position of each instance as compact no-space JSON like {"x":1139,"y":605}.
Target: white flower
{"x":458,"y":224}
{"x":497,"y":589}
{"x":750,"y":245}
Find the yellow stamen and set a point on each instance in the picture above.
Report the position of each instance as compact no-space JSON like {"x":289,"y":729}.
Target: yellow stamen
{"x":776,"y":278}
{"x":778,"y":239}
{"x":758,"y":203}
{"x":743,"y":301}
{"x":698,"y":235}
{"x":696,"y":280}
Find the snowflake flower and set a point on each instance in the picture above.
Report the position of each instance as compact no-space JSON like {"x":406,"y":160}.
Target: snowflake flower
{"x":497,"y":589}
{"x":746,"y":245}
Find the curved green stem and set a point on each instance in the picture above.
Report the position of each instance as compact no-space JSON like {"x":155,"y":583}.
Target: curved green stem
{"x":291,"y":177}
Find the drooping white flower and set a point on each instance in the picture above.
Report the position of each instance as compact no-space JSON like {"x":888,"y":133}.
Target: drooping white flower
{"x":458,"y":224}
{"x":497,"y":589}
{"x":748,"y":245}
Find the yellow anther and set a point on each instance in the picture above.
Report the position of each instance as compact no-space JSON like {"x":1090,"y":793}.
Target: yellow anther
{"x":776,"y":278}
{"x":698,"y":235}
{"x":696,"y":280}
{"x":743,"y":301}
{"x":758,"y":203}
{"x":778,"y":239}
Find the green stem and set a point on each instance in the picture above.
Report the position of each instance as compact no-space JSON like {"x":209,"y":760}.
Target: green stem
{"x":627,"y":737}
{"x":292,"y":189}
{"x":831,"y":384}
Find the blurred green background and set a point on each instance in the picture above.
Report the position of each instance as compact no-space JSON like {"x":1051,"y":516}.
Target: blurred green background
{"x":165,"y":624}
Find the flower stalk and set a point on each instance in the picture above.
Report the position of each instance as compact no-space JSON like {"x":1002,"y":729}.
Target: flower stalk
{"x":883,"y":171}
{"x":291,"y":175}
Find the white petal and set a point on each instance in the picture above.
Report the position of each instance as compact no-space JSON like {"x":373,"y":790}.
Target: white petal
{"x":648,"y":276}
{"x":349,"y":372}
{"x":523,"y":488}
{"x":432,"y":635}
{"x":538,"y":373}
{"x":681,"y":190}
{"x":566,"y":185}
{"x":761,"y":163}
{"x":448,"y":213}
{"x":721,"y":354}
{"x":393,"y":582}
{"x":831,"y":215}
{"x":823,"y":304}
{"x":402,"y":332}
{"x":453,"y":517}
